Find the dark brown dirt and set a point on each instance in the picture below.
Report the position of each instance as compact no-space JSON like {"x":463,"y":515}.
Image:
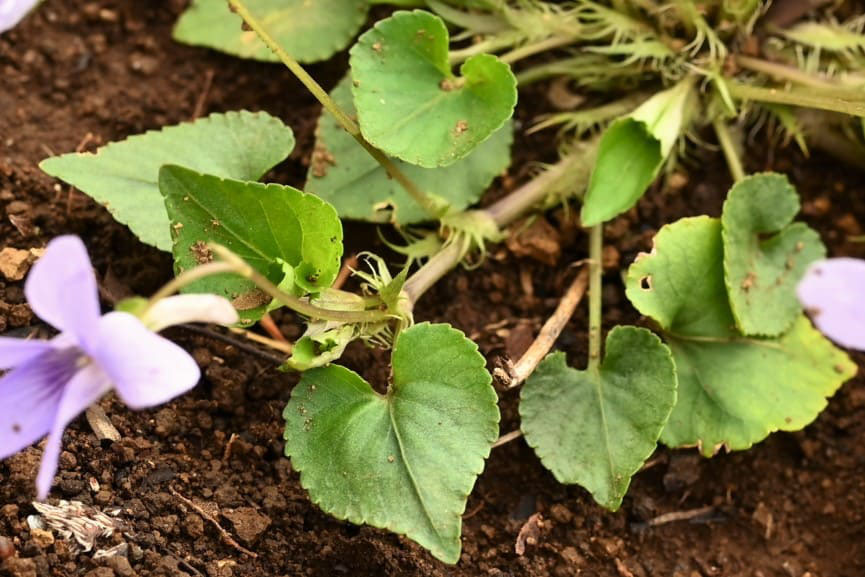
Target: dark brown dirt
{"x":793,"y":506}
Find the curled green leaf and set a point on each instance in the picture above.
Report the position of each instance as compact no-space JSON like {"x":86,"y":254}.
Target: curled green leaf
{"x":765,"y":255}
{"x":410,"y":104}
{"x":632,"y":151}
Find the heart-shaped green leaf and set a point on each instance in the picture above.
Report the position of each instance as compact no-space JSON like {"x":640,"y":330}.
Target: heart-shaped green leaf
{"x":274,"y":228}
{"x":344,"y":174}
{"x":123,"y":175}
{"x":733,"y":390}
{"x":404,"y":461}
{"x":410,"y":104}
{"x":762,"y":271}
{"x":596,"y":429}
{"x":308,"y":30}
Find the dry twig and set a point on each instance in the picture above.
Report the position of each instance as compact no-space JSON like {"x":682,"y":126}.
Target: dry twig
{"x":680,"y":516}
{"x":514,"y":375}
{"x":226,"y":536}
{"x":101,"y":425}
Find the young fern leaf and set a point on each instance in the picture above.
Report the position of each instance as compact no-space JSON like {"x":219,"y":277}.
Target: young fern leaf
{"x":407,"y":460}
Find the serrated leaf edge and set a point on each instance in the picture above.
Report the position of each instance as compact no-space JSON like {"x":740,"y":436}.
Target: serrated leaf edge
{"x":560,"y":357}
{"x":442,"y":553}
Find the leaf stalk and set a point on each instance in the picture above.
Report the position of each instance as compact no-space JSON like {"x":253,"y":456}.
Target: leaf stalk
{"x":596,"y":244}
{"x":725,"y":139}
{"x":433,"y":208}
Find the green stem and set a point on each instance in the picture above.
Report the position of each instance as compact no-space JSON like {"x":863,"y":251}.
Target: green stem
{"x":849,"y":106}
{"x":596,"y":242}
{"x":490,"y":45}
{"x":783,"y":72}
{"x":347,"y":123}
{"x":185,"y":279}
{"x":503,"y":213}
{"x":537,"y":47}
{"x":734,"y":163}
{"x":240,"y":267}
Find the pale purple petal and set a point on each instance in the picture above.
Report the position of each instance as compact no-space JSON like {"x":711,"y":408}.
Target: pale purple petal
{"x":30,"y":396}
{"x":833,"y":293}
{"x":14,"y":352}
{"x":146,"y":369}
{"x":61,"y":289}
{"x":189,"y":308}
{"x":13,"y":11}
{"x":85,"y":387}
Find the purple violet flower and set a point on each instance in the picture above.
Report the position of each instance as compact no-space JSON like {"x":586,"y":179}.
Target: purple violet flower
{"x":833,"y":293}
{"x":52,"y":382}
{"x":13,"y":11}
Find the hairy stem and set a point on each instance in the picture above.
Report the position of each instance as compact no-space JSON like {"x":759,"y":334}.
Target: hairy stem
{"x":186,"y":278}
{"x":283,"y":346}
{"x":734,"y":163}
{"x":596,"y":242}
{"x":296,"y":304}
{"x":783,"y":72}
{"x":503,"y":213}
{"x":819,"y":101}
{"x":347,"y":123}
{"x":536,"y":47}
{"x":493,"y":44}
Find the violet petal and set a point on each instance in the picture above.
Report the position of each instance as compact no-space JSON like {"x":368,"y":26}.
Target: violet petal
{"x":31,"y":396}
{"x":14,"y":352}
{"x":85,"y":387}
{"x":13,"y":11}
{"x":61,"y":289}
{"x":833,"y":293}
{"x":146,"y":369}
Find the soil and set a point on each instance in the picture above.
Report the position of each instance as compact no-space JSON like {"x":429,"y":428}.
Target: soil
{"x":79,"y":74}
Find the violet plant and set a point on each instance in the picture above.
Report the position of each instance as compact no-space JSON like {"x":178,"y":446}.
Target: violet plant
{"x":13,"y":11}
{"x":405,"y":139}
{"x":51,"y":382}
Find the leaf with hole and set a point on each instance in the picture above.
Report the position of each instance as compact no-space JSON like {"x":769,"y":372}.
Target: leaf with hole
{"x":308,"y":30}
{"x":123,"y":175}
{"x":733,"y":390}
{"x":344,"y":174}
{"x":632,"y":151}
{"x":596,"y":429}
{"x":405,"y":460}
{"x":765,"y":255}
{"x":269,"y":226}
{"x":410,"y":104}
